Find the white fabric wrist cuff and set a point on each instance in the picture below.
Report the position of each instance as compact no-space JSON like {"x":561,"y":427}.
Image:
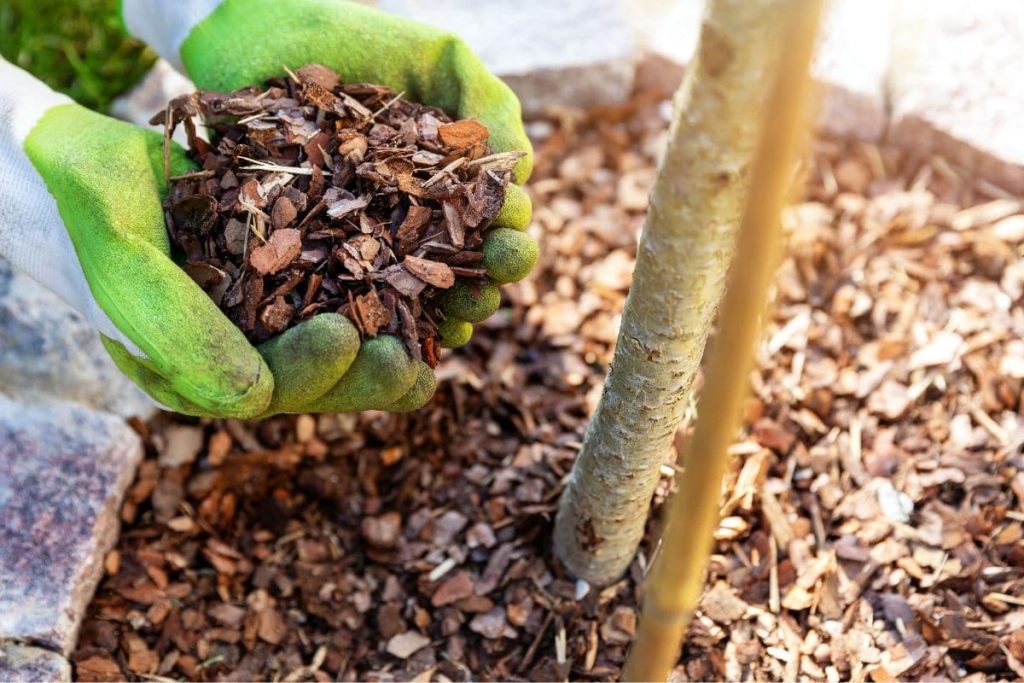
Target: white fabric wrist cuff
{"x":165,"y":24}
{"x":32,"y":234}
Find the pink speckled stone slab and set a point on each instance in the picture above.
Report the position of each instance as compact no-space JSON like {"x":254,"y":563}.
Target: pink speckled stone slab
{"x":63,"y":472}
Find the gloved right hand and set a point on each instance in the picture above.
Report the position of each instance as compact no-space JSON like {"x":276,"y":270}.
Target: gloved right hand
{"x":228,"y":44}
{"x":80,"y":212}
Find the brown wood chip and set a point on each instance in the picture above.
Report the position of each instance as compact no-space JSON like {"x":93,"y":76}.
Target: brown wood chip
{"x":432,"y":272}
{"x":281,"y":249}
{"x":462,"y":134}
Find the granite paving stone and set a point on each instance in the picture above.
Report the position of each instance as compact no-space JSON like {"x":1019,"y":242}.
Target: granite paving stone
{"x":49,"y":351}
{"x":64,"y":469}
{"x":20,"y":663}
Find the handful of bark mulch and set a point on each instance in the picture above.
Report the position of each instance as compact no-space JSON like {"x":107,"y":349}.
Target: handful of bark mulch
{"x":319,"y":196}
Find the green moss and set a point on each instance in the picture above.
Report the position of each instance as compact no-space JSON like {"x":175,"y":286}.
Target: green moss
{"x":78,"y":47}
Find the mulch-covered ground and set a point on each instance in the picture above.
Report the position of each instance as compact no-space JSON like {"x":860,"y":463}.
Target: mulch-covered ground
{"x":873,"y":524}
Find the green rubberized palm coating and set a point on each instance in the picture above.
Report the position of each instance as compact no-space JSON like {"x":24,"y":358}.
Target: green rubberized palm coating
{"x":461,"y":303}
{"x":381,"y":374}
{"x":308,"y":359}
{"x":516,"y":211}
{"x":245,"y":42}
{"x":421,"y":392}
{"x":454,"y":333}
{"x":509,"y":255}
{"x":107,"y":179}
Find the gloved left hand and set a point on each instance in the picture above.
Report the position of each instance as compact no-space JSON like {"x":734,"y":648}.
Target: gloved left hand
{"x":228,"y":44}
{"x":81,"y":214}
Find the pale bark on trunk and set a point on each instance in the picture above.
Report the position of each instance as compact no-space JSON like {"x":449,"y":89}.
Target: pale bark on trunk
{"x":682,"y":262}
{"x":673,"y":586}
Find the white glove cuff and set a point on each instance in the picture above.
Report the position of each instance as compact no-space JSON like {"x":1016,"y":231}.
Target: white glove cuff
{"x":165,"y":24}
{"x":32,"y":234}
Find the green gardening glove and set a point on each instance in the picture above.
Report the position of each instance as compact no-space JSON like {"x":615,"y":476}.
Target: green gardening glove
{"x":225,"y":45}
{"x":241,"y":42}
{"x":81,"y":211}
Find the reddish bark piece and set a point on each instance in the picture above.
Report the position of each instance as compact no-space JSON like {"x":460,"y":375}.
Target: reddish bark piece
{"x":411,"y":228}
{"x":454,"y":224}
{"x":253,"y":292}
{"x":141,"y":659}
{"x":99,"y":668}
{"x":284,"y":213}
{"x":371,"y":313}
{"x":384,"y":531}
{"x":322,"y":98}
{"x":432,"y":272}
{"x":453,"y":589}
{"x":272,"y":627}
{"x":251,"y":196}
{"x":276,"y":315}
{"x":321,"y":75}
{"x":431,"y":351}
{"x":462,"y":134}
{"x":278,"y":251}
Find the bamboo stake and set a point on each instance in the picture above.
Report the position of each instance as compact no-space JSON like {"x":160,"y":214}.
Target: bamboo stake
{"x":677,"y":577}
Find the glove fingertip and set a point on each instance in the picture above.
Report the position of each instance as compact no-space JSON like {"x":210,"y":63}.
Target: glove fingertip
{"x":382,"y":373}
{"x":463,"y":303}
{"x":308,"y":359}
{"x":454,"y":333}
{"x":509,"y":255}
{"x":420,"y":394}
{"x":517,"y":210}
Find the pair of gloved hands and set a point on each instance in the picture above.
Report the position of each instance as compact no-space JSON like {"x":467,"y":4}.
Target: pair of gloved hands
{"x":80,"y":207}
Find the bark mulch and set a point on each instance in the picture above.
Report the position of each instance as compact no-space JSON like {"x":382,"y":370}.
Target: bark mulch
{"x":873,"y":524}
{"x":316,"y":196}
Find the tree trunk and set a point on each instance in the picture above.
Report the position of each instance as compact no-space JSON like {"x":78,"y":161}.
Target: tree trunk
{"x":682,"y":262}
{"x":674,"y":584}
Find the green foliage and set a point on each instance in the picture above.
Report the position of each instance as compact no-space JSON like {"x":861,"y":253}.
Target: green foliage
{"x":78,"y":47}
